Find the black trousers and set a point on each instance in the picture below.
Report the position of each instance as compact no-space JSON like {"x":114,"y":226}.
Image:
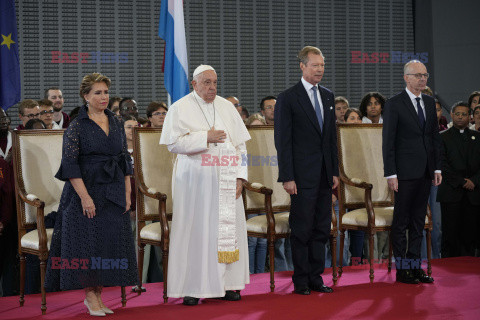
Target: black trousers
{"x":459,"y":228}
{"x":409,"y":213}
{"x":310,"y":220}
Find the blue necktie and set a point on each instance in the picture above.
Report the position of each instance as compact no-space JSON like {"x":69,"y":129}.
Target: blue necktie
{"x":317,"y":108}
{"x":421,"y":116}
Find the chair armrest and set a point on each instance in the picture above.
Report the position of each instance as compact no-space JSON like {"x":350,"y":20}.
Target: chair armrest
{"x":149,"y":192}
{"x":34,"y":201}
{"x":267,"y":192}
{"x":257,"y":187}
{"x":31,"y":199}
{"x":355,"y":182}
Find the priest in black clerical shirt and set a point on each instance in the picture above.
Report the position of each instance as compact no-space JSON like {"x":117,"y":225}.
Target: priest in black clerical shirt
{"x":459,"y":193}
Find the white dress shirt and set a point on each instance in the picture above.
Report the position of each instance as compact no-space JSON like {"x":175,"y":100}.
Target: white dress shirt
{"x":414,"y":101}
{"x":308,"y":87}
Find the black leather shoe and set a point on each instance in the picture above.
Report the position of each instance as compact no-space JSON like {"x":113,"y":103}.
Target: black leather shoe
{"x":190,"y":301}
{"x":421,"y":276}
{"x":406,"y":276}
{"x":303,"y":290}
{"x":232,"y":295}
{"x":321,"y":288}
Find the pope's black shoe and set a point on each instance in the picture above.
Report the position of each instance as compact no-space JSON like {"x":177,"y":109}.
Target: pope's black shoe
{"x":421,"y":276}
{"x":190,"y":301}
{"x":303,"y":290}
{"x":320,"y":288}
{"x":232,"y":296}
{"x":406,"y":276}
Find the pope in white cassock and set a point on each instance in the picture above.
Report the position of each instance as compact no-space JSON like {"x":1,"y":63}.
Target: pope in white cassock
{"x":208,"y":255}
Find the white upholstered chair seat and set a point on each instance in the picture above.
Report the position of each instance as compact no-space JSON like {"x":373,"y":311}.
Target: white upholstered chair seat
{"x":258,"y":224}
{"x":30,"y":239}
{"x":358,"y":217}
{"x":153,"y":231}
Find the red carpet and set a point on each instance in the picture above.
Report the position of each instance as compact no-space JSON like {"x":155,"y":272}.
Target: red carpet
{"x":455,"y":295}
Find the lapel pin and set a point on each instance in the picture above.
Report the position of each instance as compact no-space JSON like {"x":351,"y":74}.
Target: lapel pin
{"x":331,"y":108}
{"x":473,"y":137}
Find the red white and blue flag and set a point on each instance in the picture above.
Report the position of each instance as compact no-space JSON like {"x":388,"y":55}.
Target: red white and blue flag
{"x":171,"y":28}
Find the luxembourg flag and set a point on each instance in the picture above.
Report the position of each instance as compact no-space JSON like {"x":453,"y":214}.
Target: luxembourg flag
{"x":171,"y":28}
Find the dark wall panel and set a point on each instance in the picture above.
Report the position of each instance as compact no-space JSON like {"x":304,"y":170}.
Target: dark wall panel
{"x":252,"y":44}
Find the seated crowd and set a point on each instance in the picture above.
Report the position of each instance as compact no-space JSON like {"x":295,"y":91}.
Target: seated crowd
{"x":447,"y":239}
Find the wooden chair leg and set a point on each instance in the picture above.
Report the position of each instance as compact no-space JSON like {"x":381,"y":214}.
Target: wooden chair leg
{"x":271,"y":253}
{"x":141,"y":253}
{"x":333,"y":249}
{"x":342,"y":240}
{"x":22,"y":279}
{"x":390,"y":251}
{"x":370,"y":254}
{"x":43,"y":272}
{"x":429,"y":252}
{"x":124,"y":297}
{"x":165,"y":274}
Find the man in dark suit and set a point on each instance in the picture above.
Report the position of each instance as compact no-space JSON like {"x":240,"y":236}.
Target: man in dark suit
{"x":306,"y":142}
{"x":459,"y":194}
{"x":411,"y":159}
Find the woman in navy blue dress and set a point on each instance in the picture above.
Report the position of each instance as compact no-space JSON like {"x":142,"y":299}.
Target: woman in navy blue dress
{"x":92,"y":244}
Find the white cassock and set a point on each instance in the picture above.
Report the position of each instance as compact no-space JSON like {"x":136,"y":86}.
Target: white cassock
{"x":193,"y":267}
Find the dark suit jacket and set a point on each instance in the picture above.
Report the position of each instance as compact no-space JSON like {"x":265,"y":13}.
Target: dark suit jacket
{"x":460,"y":160}
{"x":301,"y":147}
{"x":407,"y":149}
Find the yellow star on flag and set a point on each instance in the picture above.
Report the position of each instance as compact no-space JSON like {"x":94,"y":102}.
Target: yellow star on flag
{"x":7,"y":40}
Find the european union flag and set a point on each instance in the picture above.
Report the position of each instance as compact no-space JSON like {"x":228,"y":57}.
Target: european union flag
{"x":10,"y":89}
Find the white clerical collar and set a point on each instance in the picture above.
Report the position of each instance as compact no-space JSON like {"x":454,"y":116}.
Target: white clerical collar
{"x":462,"y":130}
{"x":200,"y":100}
{"x":9,"y":146}
{"x":308,"y":86}
{"x":412,"y":96}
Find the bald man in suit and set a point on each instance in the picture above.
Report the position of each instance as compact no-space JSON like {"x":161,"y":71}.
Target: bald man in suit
{"x":411,"y":159}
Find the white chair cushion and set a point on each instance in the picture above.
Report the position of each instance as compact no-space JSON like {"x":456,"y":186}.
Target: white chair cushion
{"x":358,"y":217}
{"x":258,"y":224}
{"x":383,"y":217}
{"x":30,"y":239}
{"x":153,"y":231}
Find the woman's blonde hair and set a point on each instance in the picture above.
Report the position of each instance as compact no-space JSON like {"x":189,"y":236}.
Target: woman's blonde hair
{"x":89,"y":80}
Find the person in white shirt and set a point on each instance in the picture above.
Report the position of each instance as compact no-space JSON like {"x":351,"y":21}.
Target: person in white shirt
{"x":371,"y":107}
{"x":208,"y":241}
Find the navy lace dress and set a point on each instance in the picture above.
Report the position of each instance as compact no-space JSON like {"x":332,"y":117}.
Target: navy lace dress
{"x":99,"y":251}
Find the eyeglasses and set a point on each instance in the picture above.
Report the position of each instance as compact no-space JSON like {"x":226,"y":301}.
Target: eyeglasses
{"x":269,"y":108}
{"x":131,"y":108}
{"x":32,"y":115}
{"x":463,"y":114}
{"x":419,"y":75}
{"x":159,"y":114}
{"x":46,"y":112}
